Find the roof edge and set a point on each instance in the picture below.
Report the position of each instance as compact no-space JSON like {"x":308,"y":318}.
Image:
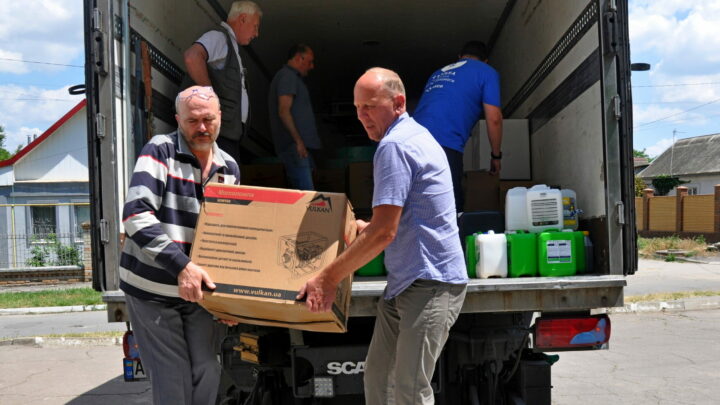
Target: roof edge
{"x":37,"y":141}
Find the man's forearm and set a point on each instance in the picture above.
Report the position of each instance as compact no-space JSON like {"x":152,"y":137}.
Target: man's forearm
{"x":495,"y":136}
{"x":366,"y":247}
{"x":289,"y":123}
{"x":494,"y":121}
{"x":197,"y":68}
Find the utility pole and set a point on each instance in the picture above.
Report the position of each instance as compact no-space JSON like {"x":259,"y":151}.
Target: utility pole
{"x":672,"y":150}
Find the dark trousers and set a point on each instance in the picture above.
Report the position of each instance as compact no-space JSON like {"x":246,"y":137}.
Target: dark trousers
{"x":455,"y":159}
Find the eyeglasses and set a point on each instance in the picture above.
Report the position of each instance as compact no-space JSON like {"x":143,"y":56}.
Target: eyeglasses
{"x":204,"y":93}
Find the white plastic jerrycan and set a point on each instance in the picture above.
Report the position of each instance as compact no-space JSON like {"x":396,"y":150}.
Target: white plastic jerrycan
{"x":491,"y":252}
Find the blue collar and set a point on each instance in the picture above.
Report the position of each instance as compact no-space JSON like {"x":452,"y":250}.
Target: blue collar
{"x":402,"y":117}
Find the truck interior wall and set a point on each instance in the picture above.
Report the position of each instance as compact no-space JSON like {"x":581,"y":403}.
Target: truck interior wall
{"x":529,"y":34}
{"x":568,"y":130}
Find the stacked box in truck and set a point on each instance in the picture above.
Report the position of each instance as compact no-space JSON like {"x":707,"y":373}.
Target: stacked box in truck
{"x":564,"y":69}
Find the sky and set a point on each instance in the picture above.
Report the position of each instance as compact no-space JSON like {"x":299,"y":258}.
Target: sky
{"x":680,"y":39}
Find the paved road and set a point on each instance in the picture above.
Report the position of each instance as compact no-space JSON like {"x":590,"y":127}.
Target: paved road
{"x":657,"y":276}
{"x":12,"y":326}
{"x":654,"y":358}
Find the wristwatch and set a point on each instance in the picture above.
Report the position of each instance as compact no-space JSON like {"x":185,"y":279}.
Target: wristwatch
{"x":496,"y":157}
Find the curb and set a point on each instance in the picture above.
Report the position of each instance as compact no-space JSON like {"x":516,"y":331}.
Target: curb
{"x":61,"y":341}
{"x":52,"y":310}
{"x":687,"y":304}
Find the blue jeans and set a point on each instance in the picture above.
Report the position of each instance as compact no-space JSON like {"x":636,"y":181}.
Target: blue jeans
{"x":298,"y":170}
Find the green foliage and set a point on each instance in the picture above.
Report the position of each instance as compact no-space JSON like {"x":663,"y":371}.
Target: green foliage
{"x":50,"y":298}
{"x":700,"y":239}
{"x":50,"y":252}
{"x":639,"y":186}
{"x":670,"y":258}
{"x":664,"y":183}
{"x":642,"y":154}
{"x":4,"y":154}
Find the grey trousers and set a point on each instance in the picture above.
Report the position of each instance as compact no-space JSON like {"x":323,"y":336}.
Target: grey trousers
{"x":178,"y":346}
{"x":410,"y":332}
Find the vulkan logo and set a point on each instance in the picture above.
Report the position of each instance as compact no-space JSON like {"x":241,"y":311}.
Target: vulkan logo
{"x":320,"y":204}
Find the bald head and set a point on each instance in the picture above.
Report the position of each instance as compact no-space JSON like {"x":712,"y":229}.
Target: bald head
{"x":388,"y":80}
{"x":198,"y":116}
{"x":379,"y":98}
{"x":204,"y":93}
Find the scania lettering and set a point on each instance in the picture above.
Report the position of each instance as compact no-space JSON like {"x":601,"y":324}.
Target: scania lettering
{"x":348,"y":367}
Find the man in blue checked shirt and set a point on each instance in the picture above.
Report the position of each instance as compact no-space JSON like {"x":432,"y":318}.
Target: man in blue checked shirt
{"x":414,"y":223}
{"x":177,"y":338}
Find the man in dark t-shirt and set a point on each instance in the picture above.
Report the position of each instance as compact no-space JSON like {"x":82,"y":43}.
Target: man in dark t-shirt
{"x":292,"y":120}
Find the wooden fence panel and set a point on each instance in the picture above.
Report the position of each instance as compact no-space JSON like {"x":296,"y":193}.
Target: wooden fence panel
{"x":639,"y":213}
{"x":698,"y":215}
{"x":662,"y":214}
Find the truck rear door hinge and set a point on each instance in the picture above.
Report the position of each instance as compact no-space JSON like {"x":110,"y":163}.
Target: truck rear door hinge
{"x":99,"y":54}
{"x":99,"y":125}
{"x":620,"y":212}
{"x":104,"y":231}
{"x":617,"y":107}
{"x":610,"y":33}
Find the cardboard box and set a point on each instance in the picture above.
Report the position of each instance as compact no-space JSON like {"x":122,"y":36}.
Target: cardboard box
{"x":260,"y":245}
{"x":265,"y":175}
{"x":360,"y":184}
{"x":481,"y":191}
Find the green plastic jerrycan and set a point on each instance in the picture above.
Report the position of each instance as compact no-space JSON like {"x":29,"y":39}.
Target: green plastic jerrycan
{"x":522,"y":254}
{"x":579,"y":246}
{"x":557,"y":253}
{"x":374,"y":268}
{"x":470,"y":255}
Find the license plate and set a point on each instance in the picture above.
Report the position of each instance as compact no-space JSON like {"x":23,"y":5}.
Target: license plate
{"x":133,"y":370}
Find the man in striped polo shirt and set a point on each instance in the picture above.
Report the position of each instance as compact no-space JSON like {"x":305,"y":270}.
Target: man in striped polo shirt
{"x":176,"y":337}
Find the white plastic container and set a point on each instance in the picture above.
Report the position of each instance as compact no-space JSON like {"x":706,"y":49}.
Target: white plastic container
{"x":570,"y":210}
{"x":544,"y":208}
{"x":516,"y":218}
{"x":491,"y":253}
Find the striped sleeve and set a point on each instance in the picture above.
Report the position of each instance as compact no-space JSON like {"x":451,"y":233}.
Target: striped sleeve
{"x":144,"y":200}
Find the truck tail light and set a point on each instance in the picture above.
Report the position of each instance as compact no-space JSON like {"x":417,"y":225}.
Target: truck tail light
{"x":568,"y":333}
{"x":130,"y":347}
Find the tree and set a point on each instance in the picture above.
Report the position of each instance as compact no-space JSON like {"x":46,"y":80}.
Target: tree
{"x":664,"y":183}
{"x":639,"y":186}
{"x":641,"y":154}
{"x":4,"y":154}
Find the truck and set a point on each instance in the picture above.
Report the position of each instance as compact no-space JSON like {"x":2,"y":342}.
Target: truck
{"x":565,"y":83}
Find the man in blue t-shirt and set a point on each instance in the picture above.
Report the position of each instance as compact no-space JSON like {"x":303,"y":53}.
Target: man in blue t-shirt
{"x":414,"y":223}
{"x":454,"y":99}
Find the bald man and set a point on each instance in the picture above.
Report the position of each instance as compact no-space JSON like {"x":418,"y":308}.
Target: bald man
{"x":177,"y":339}
{"x":414,"y":223}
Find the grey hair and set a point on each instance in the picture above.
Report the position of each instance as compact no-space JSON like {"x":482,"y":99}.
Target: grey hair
{"x":391,"y":81}
{"x":243,"y":7}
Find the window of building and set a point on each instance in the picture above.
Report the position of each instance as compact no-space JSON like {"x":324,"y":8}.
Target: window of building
{"x":43,"y":220}
{"x":82,"y":214}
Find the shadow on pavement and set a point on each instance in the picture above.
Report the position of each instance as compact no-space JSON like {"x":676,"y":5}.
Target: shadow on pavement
{"x":116,"y":392}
